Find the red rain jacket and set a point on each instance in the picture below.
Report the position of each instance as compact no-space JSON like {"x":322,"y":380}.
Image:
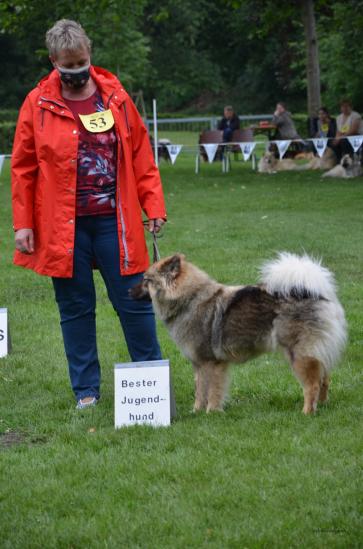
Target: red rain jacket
{"x":44,"y":177}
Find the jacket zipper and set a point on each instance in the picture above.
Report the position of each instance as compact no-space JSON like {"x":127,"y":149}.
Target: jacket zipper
{"x":123,"y":232}
{"x":126,"y":118}
{"x":118,"y":192}
{"x":122,"y":219}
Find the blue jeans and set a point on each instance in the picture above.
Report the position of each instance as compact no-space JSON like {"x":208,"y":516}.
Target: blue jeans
{"x":96,"y":241}
{"x":227,"y":134}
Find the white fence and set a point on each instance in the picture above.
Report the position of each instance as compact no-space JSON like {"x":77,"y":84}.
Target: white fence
{"x":200,"y":123}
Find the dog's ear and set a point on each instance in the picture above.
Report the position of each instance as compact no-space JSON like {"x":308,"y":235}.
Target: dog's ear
{"x":172,"y":266}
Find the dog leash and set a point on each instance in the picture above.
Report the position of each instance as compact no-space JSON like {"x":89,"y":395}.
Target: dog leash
{"x":155,"y":235}
{"x":156,"y":253}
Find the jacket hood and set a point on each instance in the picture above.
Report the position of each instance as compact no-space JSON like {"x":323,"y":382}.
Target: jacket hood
{"x":105,"y":80}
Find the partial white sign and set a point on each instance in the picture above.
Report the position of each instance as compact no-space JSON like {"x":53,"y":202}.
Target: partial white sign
{"x":4,"y":335}
{"x":2,"y":158}
{"x":142,"y":393}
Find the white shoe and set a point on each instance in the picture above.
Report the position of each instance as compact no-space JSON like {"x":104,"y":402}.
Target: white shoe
{"x":86,"y":402}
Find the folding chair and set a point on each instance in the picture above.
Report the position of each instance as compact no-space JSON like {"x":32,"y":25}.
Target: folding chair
{"x":211,"y":137}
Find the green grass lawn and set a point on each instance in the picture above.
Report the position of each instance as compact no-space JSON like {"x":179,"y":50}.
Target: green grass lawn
{"x":259,"y":475}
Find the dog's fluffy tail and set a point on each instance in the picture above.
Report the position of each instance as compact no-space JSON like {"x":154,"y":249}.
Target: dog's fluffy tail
{"x":301,"y":277}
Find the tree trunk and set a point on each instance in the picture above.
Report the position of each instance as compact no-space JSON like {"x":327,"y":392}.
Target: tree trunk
{"x":312,"y":57}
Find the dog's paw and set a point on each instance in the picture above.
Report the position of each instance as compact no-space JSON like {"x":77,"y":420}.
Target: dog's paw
{"x":215,"y":409}
{"x":199,"y":407}
{"x":309,"y":410}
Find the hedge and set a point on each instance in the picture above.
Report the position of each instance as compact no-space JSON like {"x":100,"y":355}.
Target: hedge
{"x":7,"y":130}
{"x":8,"y":115}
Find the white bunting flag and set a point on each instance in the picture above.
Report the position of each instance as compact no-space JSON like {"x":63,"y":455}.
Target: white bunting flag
{"x":2,"y":158}
{"x":247,"y":149}
{"x":173,"y":151}
{"x":4,"y":333}
{"x":283,"y":146}
{"x":320,"y":145}
{"x":356,"y":141}
{"x":211,"y":149}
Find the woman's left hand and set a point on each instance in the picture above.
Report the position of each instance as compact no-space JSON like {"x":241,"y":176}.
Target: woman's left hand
{"x":155,"y":224}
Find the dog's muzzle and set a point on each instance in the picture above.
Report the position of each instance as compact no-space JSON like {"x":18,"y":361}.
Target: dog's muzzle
{"x":140,"y":292}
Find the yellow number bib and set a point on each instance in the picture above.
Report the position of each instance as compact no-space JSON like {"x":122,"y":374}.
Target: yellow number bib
{"x":98,"y":121}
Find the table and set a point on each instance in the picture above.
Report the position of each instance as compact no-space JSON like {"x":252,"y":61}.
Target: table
{"x":269,"y":129}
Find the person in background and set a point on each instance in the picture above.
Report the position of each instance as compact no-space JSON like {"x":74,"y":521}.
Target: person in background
{"x":285,"y":127}
{"x":82,"y":173}
{"x":349,"y":122}
{"x":326,"y":126}
{"x":229,"y":123}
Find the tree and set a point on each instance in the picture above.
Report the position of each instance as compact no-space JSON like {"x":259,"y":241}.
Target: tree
{"x":196,"y":55}
{"x":117,"y":42}
{"x":312,"y":58}
{"x":341,"y":52}
{"x":183,"y":65}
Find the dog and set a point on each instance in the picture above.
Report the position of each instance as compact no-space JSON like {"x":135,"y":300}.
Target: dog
{"x":349,"y":167}
{"x":294,"y":308}
{"x":326,"y":162}
{"x":268,"y":163}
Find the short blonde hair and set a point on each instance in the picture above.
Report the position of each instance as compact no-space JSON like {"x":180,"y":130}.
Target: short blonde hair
{"x":66,"y":35}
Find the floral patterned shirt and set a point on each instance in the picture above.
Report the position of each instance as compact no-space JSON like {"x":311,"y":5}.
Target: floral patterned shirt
{"x":96,"y":162}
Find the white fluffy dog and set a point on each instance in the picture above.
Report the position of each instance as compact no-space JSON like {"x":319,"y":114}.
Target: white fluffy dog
{"x":348,"y":167}
{"x":270,"y":164}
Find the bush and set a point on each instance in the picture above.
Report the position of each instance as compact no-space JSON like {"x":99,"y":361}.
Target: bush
{"x":301,"y":124}
{"x":7,"y":130}
{"x":8,"y":115}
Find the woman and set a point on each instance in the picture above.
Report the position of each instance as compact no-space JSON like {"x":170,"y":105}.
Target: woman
{"x":82,"y":172}
{"x":349,"y":123}
{"x":228,"y":123}
{"x":284,"y":123}
{"x":326,"y":125}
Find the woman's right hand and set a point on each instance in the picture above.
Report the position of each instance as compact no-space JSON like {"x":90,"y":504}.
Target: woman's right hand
{"x":24,"y":241}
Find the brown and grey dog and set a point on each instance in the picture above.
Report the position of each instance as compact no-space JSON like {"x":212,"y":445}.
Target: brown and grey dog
{"x":294,"y":308}
{"x":326,"y":162}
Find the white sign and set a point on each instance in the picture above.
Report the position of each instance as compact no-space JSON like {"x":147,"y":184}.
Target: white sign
{"x":173,"y":151}
{"x":211,"y":149}
{"x":282,"y":146}
{"x":4,"y":336}
{"x":2,"y":158}
{"x":247,"y":149}
{"x":356,"y":142}
{"x":320,"y":145}
{"x":142,"y":393}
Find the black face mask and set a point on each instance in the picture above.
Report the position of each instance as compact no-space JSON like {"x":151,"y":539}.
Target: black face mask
{"x":75,"y":78}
